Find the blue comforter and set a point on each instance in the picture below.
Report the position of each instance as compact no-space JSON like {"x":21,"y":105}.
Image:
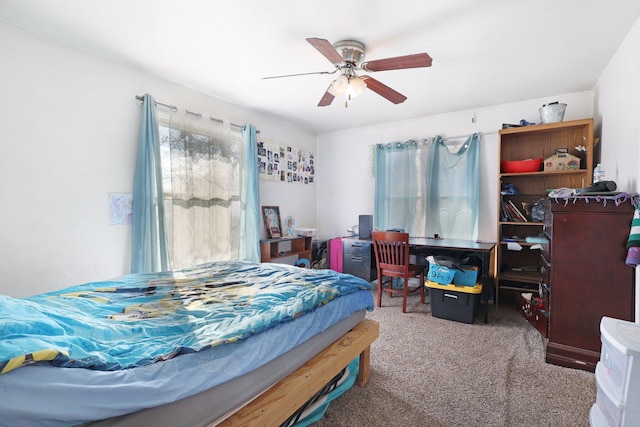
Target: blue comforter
{"x":143,"y":319}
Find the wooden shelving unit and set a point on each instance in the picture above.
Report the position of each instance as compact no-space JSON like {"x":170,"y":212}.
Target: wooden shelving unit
{"x":279,"y":250}
{"x":519,"y":270}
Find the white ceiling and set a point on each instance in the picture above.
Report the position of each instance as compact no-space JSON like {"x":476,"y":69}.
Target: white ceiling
{"x":485,"y":52}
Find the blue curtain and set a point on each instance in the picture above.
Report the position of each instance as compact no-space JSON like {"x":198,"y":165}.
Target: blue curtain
{"x":250,"y":197}
{"x":400,"y":198}
{"x":424,"y":188}
{"x":454,"y":189}
{"x":149,"y":243}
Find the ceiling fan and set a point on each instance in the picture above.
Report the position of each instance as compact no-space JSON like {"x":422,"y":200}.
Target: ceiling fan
{"x":348,"y":57}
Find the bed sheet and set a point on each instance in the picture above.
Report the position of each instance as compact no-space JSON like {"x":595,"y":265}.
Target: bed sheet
{"x":142,"y":319}
{"x":41,"y":393}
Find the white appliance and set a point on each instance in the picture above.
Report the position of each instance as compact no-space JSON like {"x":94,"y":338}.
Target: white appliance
{"x":305,"y":232}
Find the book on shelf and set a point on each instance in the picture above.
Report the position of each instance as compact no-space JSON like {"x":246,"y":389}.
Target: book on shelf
{"x":504,"y":211}
{"x":512,"y":213}
{"x":507,"y":212}
{"x":518,"y":212}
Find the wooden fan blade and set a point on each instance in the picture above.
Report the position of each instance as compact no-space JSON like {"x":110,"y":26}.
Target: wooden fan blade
{"x":327,"y":99}
{"x":384,"y":90}
{"x":327,"y":49}
{"x":417,"y":60}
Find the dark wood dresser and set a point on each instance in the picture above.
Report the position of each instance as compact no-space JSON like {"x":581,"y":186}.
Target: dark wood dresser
{"x":584,"y":276}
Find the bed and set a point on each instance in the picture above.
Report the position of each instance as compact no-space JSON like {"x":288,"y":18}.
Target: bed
{"x":230,"y":343}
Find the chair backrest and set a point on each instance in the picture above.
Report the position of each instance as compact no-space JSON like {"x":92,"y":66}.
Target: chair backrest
{"x":392,"y":252}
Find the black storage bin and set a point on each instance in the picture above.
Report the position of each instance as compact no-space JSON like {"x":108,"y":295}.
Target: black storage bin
{"x":451,"y":302}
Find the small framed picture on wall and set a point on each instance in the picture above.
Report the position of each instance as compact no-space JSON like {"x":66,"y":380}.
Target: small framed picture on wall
{"x":272,"y":224}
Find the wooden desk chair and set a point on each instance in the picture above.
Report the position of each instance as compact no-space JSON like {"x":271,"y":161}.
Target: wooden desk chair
{"x":392,"y":259}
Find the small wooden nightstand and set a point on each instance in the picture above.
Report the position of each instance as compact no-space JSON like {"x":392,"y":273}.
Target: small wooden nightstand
{"x":280,"y":250}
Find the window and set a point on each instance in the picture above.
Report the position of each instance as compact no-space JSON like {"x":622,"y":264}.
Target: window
{"x":428,"y":188}
{"x":201,"y":182}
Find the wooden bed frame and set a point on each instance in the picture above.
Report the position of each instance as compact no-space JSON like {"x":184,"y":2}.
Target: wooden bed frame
{"x":275,"y":405}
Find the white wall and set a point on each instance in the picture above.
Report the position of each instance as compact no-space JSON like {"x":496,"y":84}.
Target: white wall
{"x":69,"y":136}
{"x":617,"y":114}
{"x":69,"y":140}
{"x":352,"y":193}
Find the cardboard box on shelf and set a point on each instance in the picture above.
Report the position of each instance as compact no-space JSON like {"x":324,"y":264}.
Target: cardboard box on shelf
{"x":561,"y":161}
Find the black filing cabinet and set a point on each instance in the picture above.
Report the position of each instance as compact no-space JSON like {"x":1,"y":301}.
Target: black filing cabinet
{"x":358,"y":259}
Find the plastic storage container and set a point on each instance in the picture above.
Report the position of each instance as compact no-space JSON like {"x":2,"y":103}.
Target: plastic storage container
{"x":620,"y":357}
{"x":468,"y":276}
{"x":451,"y":302}
{"x":597,"y":418}
{"x":305,"y":232}
{"x":521,"y":166}
{"x":440,"y":274}
{"x":613,"y":410}
{"x":618,"y":374}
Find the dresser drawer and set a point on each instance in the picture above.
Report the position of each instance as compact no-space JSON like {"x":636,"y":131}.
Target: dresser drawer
{"x":359,"y":254}
{"x":359,"y":268}
{"x":545,"y":250}
{"x":543,"y":293}
{"x":357,"y":247}
{"x":547,"y":227}
{"x":545,"y":272}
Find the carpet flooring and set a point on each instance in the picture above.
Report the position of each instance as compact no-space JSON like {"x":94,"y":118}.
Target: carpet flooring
{"x":427,"y":371}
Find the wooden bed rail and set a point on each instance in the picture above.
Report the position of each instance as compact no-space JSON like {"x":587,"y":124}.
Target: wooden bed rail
{"x":275,"y":405}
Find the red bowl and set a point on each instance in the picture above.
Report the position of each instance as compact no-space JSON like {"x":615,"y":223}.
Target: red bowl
{"x":516,"y":166}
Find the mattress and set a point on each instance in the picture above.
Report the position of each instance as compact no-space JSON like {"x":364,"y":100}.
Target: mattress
{"x":41,"y":393}
{"x":214,"y":405}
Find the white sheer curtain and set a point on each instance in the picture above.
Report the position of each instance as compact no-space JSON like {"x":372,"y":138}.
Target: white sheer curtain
{"x":201,"y":180}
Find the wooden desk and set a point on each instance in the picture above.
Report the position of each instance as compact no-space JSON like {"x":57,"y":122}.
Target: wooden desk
{"x":430,"y":246}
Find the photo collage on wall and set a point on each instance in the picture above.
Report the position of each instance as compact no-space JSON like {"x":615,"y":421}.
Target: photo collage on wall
{"x":284,"y":163}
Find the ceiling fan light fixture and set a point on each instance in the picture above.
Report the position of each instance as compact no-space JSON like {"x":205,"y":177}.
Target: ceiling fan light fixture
{"x":339,"y":86}
{"x":355,"y":87}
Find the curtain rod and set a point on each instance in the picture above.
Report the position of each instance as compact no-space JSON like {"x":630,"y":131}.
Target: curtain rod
{"x":467,"y":135}
{"x":424,"y":140}
{"x":198,"y":115}
{"x":171,"y":107}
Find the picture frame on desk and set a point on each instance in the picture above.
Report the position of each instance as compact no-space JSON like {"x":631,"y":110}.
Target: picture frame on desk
{"x":272,"y":223}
